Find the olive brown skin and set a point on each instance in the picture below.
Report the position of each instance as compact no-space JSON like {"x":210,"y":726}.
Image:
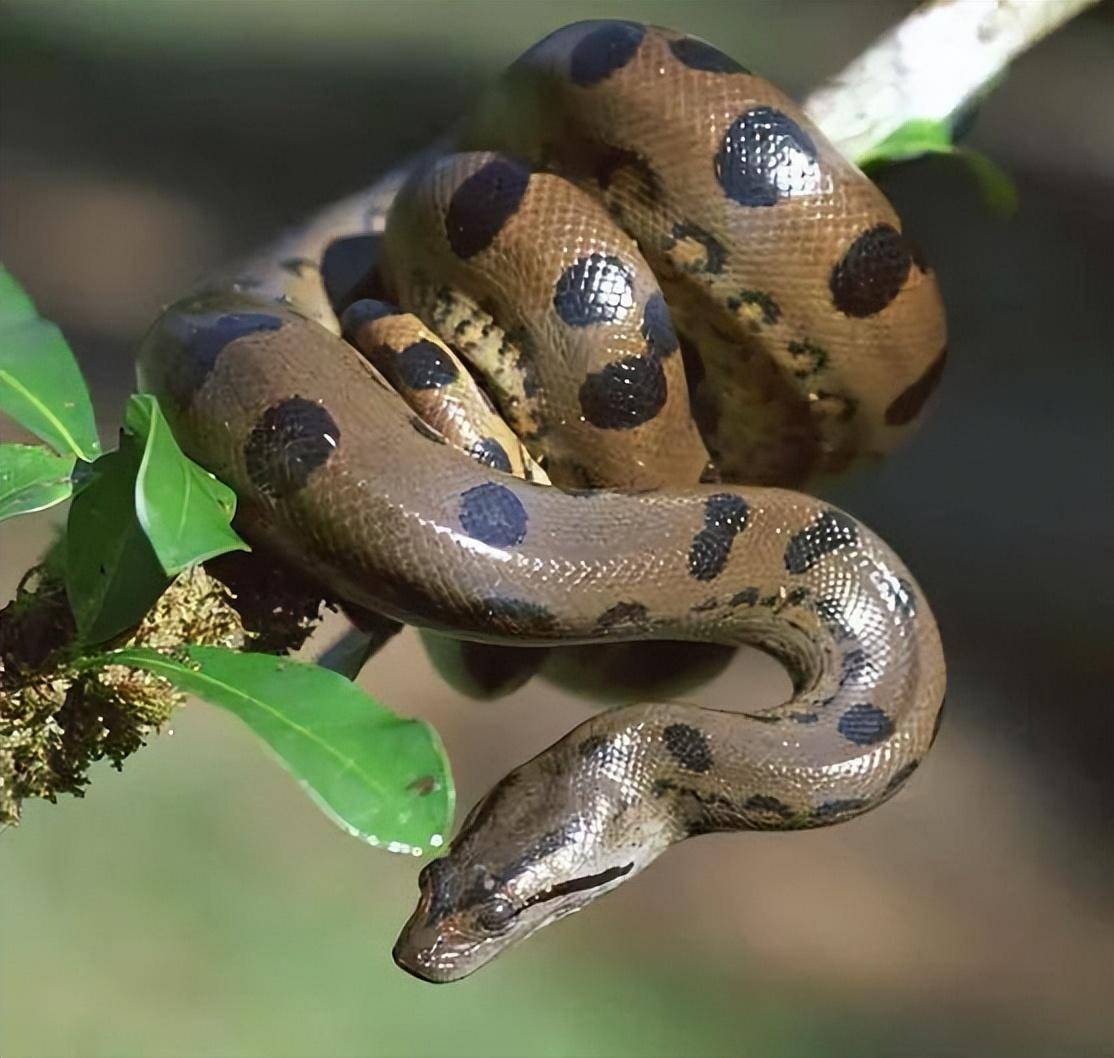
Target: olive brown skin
{"x":635,"y":235}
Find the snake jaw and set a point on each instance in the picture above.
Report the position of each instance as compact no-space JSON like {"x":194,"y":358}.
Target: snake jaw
{"x":430,"y":954}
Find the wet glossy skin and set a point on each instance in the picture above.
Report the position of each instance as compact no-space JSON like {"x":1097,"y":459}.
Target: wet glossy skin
{"x":707,"y":244}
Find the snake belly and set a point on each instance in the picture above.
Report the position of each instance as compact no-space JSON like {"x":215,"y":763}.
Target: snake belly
{"x":634,"y":233}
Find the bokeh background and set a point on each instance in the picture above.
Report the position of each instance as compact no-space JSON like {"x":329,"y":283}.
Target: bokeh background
{"x":197,"y":904}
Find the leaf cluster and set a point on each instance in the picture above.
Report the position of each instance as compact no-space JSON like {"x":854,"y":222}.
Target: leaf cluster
{"x":123,"y":622}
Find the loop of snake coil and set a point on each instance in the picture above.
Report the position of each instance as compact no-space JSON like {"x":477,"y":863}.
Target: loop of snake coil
{"x":636,"y":267}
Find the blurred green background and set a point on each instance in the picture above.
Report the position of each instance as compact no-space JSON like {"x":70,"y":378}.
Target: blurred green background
{"x":198,"y":905}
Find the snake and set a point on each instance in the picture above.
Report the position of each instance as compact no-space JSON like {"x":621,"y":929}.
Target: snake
{"x":569,"y":394}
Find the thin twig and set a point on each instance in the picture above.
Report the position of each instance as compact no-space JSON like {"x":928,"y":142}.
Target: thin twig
{"x":932,"y":65}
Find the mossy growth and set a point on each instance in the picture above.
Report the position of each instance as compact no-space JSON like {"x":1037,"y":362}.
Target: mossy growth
{"x":58,"y":716}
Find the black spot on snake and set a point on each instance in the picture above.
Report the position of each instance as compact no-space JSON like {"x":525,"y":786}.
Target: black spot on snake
{"x":594,"y":289}
{"x":865,"y":725}
{"x":526,"y":364}
{"x":494,"y":515}
{"x":830,"y":611}
{"x":657,"y":327}
{"x":700,"y":55}
{"x":364,"y":311}
{"x":519,"y":616}
{"x":705,"y":812}
{"x":907,"y":405}
{"x":288,"y":443}
{"x":427,"y":431}
{"x":604,"y":752}
{"x":811,"y":357}
{"x":899,"y":595}
{"x":765,"y":155}
{"x":423,"y":365}
{"x":483,"y":203}
{"x":871,"y":272}
{"x":857,"y":667}
{"x":829,"y":532}
{"x":625,"y":394}
{"x":829,"y":811}
{"x":900,"y":776}
{"x":491,"y":453}
{"x":623,"y":615}
{"x":715,"y":253}
{"x":598,"y":54}
{"x":203,"y":338}
{"x":688,"y":746}
{"x":710,"y":603}
{"x":725,"y":516}
{"x":592,"y":745}
{"x":769,"y":309}
{"x":746,"y":597}
{"x":767,"y":805}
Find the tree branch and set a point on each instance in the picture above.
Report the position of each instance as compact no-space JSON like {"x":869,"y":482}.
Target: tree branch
{"x":937,"y":62}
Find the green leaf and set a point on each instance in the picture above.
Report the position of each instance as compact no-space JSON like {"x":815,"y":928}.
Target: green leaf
{"x":920,"y":137}
{"x":40,"y":383}
{"x":382,"y":778}
{"x":913,"y":139}
{"x":998,"y":191}
{"x":183,"y":509}
{"x":113,"y":576}
{"x":32,"y":478}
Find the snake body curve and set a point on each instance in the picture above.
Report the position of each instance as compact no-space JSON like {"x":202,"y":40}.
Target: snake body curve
{"x":633,"y":225}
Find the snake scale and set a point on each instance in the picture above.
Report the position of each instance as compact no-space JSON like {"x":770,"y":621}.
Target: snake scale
{"x":637,"y":277}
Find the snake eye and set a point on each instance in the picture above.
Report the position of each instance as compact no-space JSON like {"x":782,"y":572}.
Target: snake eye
{"x":496,"y":914}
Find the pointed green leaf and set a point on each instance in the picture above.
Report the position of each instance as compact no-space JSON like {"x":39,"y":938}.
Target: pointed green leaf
{"x":113,"y":576}
{"x":383,"y":778}
{"x":184,"y":510}
{"x":15,"y":305}
{"x":998,"y":191}
{"x":32,"y":478}
{"x":40,"y":383}
{"x":911,"y":140}
{"x":920,"y":137}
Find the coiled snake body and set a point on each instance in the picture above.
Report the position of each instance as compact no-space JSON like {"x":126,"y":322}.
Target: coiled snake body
{"x":631,"y":235}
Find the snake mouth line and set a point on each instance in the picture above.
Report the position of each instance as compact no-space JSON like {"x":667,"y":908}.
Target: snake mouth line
{"x":426,"y":965}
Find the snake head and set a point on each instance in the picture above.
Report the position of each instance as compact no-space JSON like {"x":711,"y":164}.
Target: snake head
{"x":541,"y":845}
